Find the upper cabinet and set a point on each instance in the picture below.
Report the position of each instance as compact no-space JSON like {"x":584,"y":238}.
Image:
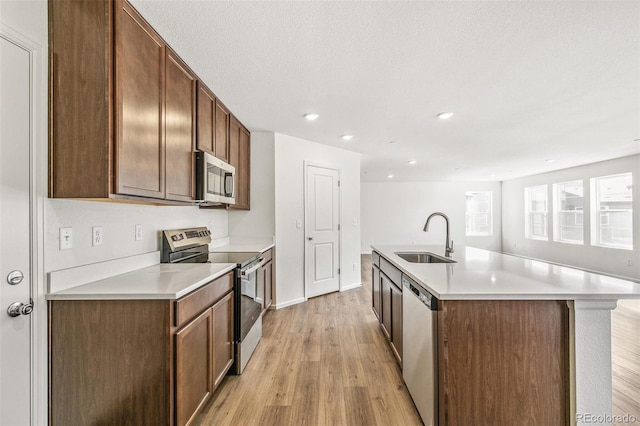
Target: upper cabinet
{"x":140,"y":102}
{"x":126,"y":113}
{"x":240,"y":157}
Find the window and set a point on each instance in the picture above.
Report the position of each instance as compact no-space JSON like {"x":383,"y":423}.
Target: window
{"x":612,"y":211}
{"x":535,"y":222}
{"x":478,"y":213}
{"x":568,"y":212}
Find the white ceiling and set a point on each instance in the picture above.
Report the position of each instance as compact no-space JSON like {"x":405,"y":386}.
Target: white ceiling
{"x":527,"y":81}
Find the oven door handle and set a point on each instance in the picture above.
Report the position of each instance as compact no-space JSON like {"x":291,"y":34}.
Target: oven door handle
{"x":251,"y":270}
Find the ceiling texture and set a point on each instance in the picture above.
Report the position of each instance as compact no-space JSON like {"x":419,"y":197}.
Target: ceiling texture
{"x":534,"y":86}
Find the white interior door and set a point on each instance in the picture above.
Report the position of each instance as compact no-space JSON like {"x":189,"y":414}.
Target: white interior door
{"x":322,"y":231}
{"x":15,"y":234}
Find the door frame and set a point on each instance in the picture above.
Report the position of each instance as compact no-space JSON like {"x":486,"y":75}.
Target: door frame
{"x":305,"y":165}
{"x":37,"y":193}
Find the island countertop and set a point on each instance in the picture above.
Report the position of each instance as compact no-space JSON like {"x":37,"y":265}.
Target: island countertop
{"x":486,"y":275}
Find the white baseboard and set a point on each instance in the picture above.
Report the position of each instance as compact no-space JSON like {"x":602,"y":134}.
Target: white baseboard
{"x":289,"y":303}
{"x":351,"y":286}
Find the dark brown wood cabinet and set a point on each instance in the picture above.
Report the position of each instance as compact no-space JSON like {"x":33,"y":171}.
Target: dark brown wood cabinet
{"x":180,"y":119}
{"x":222,"y":318}
{"x":120,"y":103}
{"x":139,"y":361}
{"x":221,"y":143}
{"x":240,"y":158}
{"x":387,"y":301}
{"x":206,"y":119}
{"x":194,"y":369}
{"x":265,"y":279}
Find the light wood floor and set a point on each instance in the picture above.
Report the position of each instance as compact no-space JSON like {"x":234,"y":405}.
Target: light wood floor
{"x":625,"y":353}
{"x":324,"y":362}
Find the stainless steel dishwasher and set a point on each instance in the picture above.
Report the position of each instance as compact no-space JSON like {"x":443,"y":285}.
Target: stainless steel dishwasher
{"x":420,"y":357}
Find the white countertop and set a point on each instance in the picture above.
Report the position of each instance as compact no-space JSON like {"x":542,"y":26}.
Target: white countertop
{"x":483,"y":274}
{"x":161,"y":281}
{"x":257,"y":246}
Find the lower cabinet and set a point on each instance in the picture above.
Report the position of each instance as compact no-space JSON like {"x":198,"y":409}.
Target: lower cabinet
{"x":387,"y":301}
{"x":139,"y":361}
{"x":265,"y":279}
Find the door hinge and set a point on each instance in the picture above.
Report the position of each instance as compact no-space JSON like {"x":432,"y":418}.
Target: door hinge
{"x":338,"y":271}
{"x":338,"y":183}
{"x":338,"y":227}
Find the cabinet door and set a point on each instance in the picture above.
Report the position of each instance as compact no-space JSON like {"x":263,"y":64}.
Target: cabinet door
{"x":239,"y":157}
{"x":268,"y":282}
{"x":180,"y":112}
{"x":206,"y":119}
{"x":375,"y":291}
{"x":221,"y":148}
{"x":222,"y":315}
{"x":194,"y":382}
{"x":385,"y":305}
{"x":396,"y":322}
{"x":139,"y":87}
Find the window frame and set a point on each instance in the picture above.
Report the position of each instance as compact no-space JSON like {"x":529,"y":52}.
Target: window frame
{"x":489,"y":214}
{"x":528,"y":213}
{"x":596,"y":216}
{"x":556,"y":207}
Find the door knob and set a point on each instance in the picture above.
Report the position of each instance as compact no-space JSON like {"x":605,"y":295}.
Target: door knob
{"x":310,"y":238}
{"x":15,"y":277}
{"x":18,"y":308}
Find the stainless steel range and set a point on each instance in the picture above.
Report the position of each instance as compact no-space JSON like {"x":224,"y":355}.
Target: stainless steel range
{"x":192,"y":246}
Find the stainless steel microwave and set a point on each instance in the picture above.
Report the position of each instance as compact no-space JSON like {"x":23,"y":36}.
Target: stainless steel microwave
{"x":215,"y":180}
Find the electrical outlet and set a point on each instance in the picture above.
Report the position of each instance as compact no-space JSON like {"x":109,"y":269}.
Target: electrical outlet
{"x":66,"y":238}
{"x":629,"y":262}
{"x":138,"y":232}
{"x":98,"y":236}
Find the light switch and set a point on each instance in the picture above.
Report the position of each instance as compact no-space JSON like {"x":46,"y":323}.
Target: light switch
{"x":138,"y":234}
{"x":66,"y":238}
{"x":298,"y":224}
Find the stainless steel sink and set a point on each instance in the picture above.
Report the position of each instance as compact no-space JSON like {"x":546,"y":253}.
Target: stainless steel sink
{"x":423,"y":257}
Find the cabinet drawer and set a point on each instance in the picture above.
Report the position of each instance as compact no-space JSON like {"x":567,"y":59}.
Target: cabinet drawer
{"x":392,"y":272}
{"x":197,"y":301}
{"x":267,"y":255}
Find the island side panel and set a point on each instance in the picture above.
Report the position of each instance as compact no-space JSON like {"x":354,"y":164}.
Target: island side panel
{"x":503,"y":362}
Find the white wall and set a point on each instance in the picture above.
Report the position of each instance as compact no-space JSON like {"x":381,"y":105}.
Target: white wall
{"x":612,"y":261}
{"x":290,"y":155}
{"x":395,"y":213}
{"x":260,"y":220}
{"x":118,"y":221}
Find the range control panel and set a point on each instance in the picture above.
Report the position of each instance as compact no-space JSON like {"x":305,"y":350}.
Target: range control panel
{"x":179,"y":239}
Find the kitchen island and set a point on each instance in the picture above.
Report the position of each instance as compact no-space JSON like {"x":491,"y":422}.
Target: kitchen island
{"x":519,"y":341}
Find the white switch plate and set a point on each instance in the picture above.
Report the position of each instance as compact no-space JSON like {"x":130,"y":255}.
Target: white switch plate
{"x":66,"y":238}
{"x":298,"y":223}
{"x":138,"y":232}
{"x":98,"y":236}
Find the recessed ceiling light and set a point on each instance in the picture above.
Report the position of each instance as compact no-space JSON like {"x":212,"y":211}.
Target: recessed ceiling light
{"x":390,"y":176}
{"x":311,"y":116}
{"x":492,"y":175}
{"x":445,"y":115}
{"x":346,"y":137}
{"x":549,"y":161}
{"x":412,"y":162}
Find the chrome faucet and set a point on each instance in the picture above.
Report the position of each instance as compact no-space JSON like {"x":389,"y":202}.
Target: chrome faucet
{"x":448,"y":249}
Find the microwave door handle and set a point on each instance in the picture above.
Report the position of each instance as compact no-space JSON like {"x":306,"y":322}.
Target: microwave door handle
{"x":228,"y":182}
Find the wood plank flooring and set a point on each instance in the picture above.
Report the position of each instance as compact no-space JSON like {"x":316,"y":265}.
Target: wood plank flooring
{"x":324,"y":362}
{"x":625,"y":354}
